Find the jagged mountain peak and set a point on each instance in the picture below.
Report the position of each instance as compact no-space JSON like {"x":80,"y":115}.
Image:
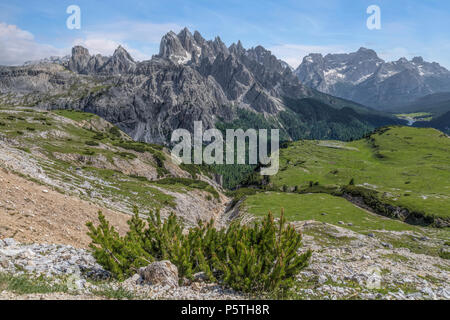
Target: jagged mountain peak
{"x":122,"y":53}
{"x":80,"y":50}
{"x":192,"y":79}
{"x":198,"y":37}
{"x":120,"y":50}
{"x":313,"y":57}
{"x":367,"y":54}
{"x":237,"y":48}
{"x":185,"y":32}
{"x":366,"y":50}
{"x":418,"y":60}
{"x":402,"y":60}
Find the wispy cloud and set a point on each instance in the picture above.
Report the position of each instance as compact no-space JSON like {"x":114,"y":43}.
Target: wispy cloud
{"x":18,"y":46}
{"x":140,"y":39}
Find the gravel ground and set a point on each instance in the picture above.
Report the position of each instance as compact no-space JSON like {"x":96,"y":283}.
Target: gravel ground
{"x":352,"y":266}
{"x":77,"y":270}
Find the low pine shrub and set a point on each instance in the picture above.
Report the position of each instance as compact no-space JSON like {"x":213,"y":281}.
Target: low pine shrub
{"x":135,"y":146}
{"x":114,"y":131}
{"x":92,"y":143}
{"x":258,"y":258}
{"x":192,"y":183}
{"x":240,"y":193}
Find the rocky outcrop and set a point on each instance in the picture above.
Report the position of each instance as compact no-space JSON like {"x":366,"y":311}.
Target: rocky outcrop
{"x":395,"y":212}
{"x":160,"y":272}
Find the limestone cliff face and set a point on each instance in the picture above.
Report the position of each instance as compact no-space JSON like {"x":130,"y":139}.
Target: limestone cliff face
{"x":190,"y":79}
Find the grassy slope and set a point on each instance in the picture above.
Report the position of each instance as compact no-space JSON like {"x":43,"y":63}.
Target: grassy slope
{"x":303,"y":119}
{"x":30,"y":128}
{"x":410,"y":166}
{"x":321,"y":207}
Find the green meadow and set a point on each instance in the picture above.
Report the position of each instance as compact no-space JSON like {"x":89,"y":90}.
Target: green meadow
{"x":408,"y":167}
{"x":321,"y":207}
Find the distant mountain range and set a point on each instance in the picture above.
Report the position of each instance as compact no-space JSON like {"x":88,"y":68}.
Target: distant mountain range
{"x":52,"y":59}
{"x":190,"y":79}
{"x":365,"y":78}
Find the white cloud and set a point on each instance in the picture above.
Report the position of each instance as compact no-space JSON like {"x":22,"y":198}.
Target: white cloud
{"x":294,"y":53}
{"x":18,"y":46}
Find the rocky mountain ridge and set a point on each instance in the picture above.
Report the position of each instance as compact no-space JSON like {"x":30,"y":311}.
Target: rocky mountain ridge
{"x":365,"y":78}
{"x":190,"y":79}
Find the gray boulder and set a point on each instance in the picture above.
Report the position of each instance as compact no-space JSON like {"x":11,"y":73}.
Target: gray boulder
{"x":160,"y":272}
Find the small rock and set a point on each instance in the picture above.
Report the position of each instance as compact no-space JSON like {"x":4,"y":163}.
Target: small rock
{"x":28,"y":213}
{"x":196,"y":286}
{"x":160,"y":272}
{"x":9,"y":242}
{"x":370,"y":296}
{"x":45,"y":191}
{"x":414,"y":295}
{"x":341,"y":222}
{"x":322,"y":279}
{"x":371,"y":235}
{"x":444,"y":251}
{"x":4,"y":263}
{"x":200,"y":277}
{"x":444,"y":293}
{"x":429,"y":292}
{"x":186,"y":282}
{"x":350,"y":224}
{"x":323,"y":214}
{"x":387,"y":245}
{"x":133,"y":280}
{"x":27,"y":254}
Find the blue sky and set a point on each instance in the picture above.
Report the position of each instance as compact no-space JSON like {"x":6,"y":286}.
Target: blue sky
{"x":290,"y":29}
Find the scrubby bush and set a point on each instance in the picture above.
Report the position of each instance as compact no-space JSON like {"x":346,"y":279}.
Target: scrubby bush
{"x":114,"y":131}
{"x":92,"y":143}
{"x":262,"y":257}
{"x":137,"y":177}
{"x":89,"y":152}
{"x":130,"y":145}
{"x":127,"y":155}
{"x":99,"y":136}
{"x":240,"y":193}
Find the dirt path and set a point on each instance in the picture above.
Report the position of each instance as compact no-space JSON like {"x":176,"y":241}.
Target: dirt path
{"x":30,"y":212}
